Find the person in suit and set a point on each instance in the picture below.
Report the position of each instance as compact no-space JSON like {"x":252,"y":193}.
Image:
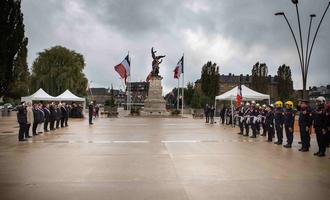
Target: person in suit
{"x":29,"y":115}
{"x":58,"y":115}
{"x":22,"y":121}
{"x":269,"y":123}
{"x":64,"y":113}
{"x":47,"y":117}
{"x":305,"y":123}
{"x":90,"y":112}
{"x":52,"y":116}
{"x":68,"y":110}
{"x":41,"y":120}
{"x":212,"y":110}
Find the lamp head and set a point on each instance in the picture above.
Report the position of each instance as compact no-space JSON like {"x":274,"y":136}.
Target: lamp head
{"x":279,"y":13}
{"x":295,"y":1}
{"x":312,"y":15}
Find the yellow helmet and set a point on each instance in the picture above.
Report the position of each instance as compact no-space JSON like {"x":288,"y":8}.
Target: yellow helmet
{"x":289,"y":104}
{"x":279,"y":104}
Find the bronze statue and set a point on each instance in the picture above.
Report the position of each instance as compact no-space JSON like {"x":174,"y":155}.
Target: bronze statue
{"x":155,"y":63}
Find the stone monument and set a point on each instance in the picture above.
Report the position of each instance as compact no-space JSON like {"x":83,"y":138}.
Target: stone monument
{"x":155,"y":103}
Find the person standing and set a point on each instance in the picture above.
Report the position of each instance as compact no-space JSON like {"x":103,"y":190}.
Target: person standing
{"x":240,"y":113}
{"x":263,"y":114}
{"x":279,"y":120}
{"x":29,"y":116}
{"x":212,"y":110}
{"x":305,"y":122}
{"x":35,"y":119}
{"x":22,"y":121}
{"x":269,"y":122}
{"x":41,"y":120}
{"x":63,"y":114}
{"x":254,"y":120}
{"x":247,"y":119}
{"x":327,"y":115}
{"x":68,"y":110}
{"x":52,"y":116}
{"x":90,"y":112}
{"x":58,"y":115}
{"x":47,"y":117}
{"x":289,"y":118}
{"x":222,"y":115}
{"x":207,"y":113}
{"x":320,"y":127}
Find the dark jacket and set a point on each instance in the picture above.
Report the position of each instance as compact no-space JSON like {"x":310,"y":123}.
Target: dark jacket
{"x":289,"y":118}
{"x":90,"y":109}
{"x":319,"y":118}
{"x":58,"y":114}
{"x":279,"y":116}
{"x":64,"y":112}
{"x":52,"y":116}
{"x":305,"y":118}
{"x":21,"y":115}
{"x":36,"y":116}
{"x":41,"y":115}
{"x":47,"y":113}
{"x":269,"y":121}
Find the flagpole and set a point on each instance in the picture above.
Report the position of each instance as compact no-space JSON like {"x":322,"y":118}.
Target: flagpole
{"x":129,"y":100}
{"x":178,"y":95}
{"x":182,"y":85}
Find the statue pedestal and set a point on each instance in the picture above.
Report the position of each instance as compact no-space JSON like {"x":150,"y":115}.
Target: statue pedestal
{"x":155,"y":104}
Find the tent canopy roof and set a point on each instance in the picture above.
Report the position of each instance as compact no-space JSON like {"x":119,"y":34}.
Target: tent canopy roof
{"x":69,"y":96}
{"x":39,"y":95}
{"x":247,"y":94}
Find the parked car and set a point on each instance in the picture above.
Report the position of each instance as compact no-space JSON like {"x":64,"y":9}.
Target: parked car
{"x":9,"y":106}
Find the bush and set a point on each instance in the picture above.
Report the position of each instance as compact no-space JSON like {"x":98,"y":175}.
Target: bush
{"x":110,"y":102}
{"x":175,"y":112}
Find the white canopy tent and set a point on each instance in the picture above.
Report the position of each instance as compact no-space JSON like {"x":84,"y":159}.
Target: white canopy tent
{"x":39,"y":95}
{"x":247,"y":95}
{"x":68,"y":96}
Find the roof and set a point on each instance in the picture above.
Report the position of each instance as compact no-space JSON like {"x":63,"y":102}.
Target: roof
{"x":68,"y":96}
{"x":247,"y":94}
{"x":39,"y":95}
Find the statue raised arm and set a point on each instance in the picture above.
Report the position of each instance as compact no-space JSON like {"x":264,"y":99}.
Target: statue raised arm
{"x":156,"y":61}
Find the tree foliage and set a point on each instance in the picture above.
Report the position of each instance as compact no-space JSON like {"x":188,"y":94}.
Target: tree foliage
{"x":210,"y":79}
{"x":259,"y":77}
{"x":11,"y":39}
{"x":188,"y":93}
{"x":285,"y":83}
{"x":57,"y":69}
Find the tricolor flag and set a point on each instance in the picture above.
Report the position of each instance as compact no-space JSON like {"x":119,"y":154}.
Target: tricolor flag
{"x":178,"y":69}
{"x":239,"y":95}
{"x":124,"y":68}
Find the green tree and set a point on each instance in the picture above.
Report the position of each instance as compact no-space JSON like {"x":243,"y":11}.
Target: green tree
{"x":210,"y":79}
{"x":11,"y":39}
{"x":188,"y":93}
{"x":259,"y":77}
{"x":57,"y":69}
{"x":20,"y":85}
{"x":285,"y":83}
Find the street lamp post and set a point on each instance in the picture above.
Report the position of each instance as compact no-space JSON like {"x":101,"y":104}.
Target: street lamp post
{"x":304,"y":59}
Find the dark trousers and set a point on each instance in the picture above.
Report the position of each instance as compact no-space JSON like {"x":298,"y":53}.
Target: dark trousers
{"x":51,"y":125}
{"x":46,"y":124}
{"x":207,"y":118}
{"x":62,"y":121}
{"x":258,"y":127}
{"x":279,"y":133}
{"x":27,"y":130}
{"x":270,"y":130}
{"x":254,"y":129}
{"x":222,"y":119}
{"x":57,"y":123}
{"x":90,"y":118}
{"x":264,"y":129}
{"x":34,"y":128}
{"x":21,"y":131}
{"x":289,"y":135}
{"x":247,"y":128}
{"x":241,"y":127}
{"x":328,"y":138}
{"x":305,"y":137}
{"x":321,"y":140}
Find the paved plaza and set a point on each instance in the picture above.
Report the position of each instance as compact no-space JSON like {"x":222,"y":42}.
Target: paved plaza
{"x":155,"y":158}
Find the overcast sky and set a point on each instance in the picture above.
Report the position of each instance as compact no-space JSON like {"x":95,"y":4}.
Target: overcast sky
{"x":233,"y":33}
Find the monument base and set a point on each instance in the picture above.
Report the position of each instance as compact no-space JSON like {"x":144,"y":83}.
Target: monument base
{"x":155,"y":104}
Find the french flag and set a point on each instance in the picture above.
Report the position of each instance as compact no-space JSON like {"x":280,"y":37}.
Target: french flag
{"x":124,"y":68}
{"x":239,"y":95}
{"x":178,"y":69}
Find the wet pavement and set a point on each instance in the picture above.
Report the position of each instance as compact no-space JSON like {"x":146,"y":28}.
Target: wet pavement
{"x":154,"y":158}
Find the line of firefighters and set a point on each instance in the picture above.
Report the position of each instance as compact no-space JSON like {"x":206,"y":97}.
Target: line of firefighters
{"x":273,"y":119}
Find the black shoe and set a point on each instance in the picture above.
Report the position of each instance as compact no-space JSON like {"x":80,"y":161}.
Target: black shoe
{"x":304,"y":150}
{"x":275,"y":142}
{"x":287,"y":146}
{"x":263,"y":135}
{"x":239,"y":133}
{"x":90,"y":123}
{"x":29,"y":137}
{"x":22,"y":140}
{"x":299,"y":142}
{"x":253,"y":136}
{"x":316,"y":154}
{"x":269,"y":141}
{"x":321,"y":155}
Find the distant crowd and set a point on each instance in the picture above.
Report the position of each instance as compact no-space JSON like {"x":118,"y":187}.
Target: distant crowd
{"x":273,"y":120}
{"x":42,"y":118}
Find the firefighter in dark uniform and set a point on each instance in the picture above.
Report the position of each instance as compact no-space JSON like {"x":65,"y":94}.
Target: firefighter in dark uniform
{"x":305,"y":122}
{"x":320,"y":127}
{"x":247,"y":119}
{"x":289,"y":118}
{"x":263,"y":114}
{"x":279,"y":120}
{"x":240,"y":113}
{"x":254,"y":120}
{"x":269,"y":122}
{"x":327,"y":115}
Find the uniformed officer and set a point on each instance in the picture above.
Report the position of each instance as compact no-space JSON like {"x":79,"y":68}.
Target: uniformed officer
{"x":247,"y":118}
{"x":320,"y":127}
{"x":263,"y":114}
{"x":240,"y":113}
{"x":254,"y":119}
{"x":289,"y":123}
{"x":269,"y":122}
{"x":327,"y":114}
{"x":305,"y":122}
{"x":279,"y":120}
